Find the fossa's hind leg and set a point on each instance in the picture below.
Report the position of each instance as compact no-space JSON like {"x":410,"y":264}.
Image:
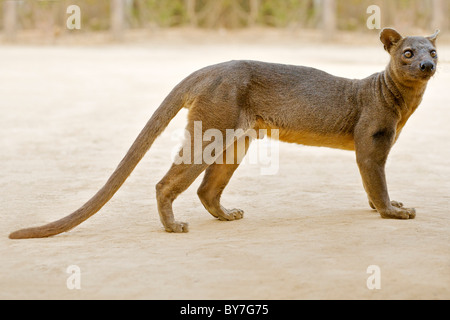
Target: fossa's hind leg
{"x":176,"y":180}
{"x":181,"y":176}
{"x":216,"y":179}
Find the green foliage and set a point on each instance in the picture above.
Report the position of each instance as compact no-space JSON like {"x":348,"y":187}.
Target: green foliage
{"x":165,"y":13}
{"x":351,"y":14}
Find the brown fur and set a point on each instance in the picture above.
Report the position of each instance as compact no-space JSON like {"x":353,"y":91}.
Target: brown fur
{"x":308,"y":106}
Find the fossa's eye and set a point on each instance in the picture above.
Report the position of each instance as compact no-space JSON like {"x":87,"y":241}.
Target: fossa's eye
{"x":433,"y":54}
{"x":408,"y":54}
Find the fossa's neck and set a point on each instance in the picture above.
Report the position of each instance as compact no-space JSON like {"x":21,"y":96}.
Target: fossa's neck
{"x":407,"y":93}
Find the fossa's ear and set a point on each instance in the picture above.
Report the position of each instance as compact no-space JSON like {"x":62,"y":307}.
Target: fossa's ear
{"x":433,"y":37}
{"x":389,"y":37}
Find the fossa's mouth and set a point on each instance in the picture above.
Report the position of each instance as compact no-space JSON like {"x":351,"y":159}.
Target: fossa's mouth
{"x":425,"y":75}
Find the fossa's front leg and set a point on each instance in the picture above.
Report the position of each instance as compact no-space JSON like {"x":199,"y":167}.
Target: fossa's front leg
{"x":372,"y":149}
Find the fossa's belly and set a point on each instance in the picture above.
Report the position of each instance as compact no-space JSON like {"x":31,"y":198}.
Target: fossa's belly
{"x":343,"y":141}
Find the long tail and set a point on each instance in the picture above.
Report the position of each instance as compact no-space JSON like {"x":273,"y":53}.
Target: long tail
{"x":154,"y":127}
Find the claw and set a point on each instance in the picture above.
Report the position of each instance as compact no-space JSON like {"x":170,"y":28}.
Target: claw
{"x":178,"y":227}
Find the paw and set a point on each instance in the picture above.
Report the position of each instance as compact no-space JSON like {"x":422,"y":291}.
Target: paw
{"x":177,"y":227}
{"x":397,"y":204}
{"x":230,"y":215}
{"x":393,"y":203}
{"x":395,"y":212}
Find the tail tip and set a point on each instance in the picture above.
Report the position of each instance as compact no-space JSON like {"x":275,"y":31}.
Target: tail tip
{"x":22,"y":234}
{"x":15,"y":235}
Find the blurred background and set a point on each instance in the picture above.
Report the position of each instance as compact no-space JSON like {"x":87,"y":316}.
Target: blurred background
{"x":38,"y":20}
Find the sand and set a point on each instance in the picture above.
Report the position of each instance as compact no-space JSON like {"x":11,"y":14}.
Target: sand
{"x":70,"y":112}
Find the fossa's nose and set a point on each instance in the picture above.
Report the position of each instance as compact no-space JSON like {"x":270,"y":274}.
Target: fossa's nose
{"x":427,"y":66}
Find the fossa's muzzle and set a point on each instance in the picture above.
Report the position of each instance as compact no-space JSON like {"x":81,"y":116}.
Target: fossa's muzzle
{"x":427,"y":66}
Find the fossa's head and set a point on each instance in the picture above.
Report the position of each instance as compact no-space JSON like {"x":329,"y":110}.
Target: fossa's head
{"x":412,"y":58}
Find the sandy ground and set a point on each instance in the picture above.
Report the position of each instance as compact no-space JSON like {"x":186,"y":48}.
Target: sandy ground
{"x":69,"y":114}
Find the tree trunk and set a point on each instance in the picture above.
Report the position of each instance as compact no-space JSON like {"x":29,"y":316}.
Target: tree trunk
{"x":192,"y":15}
{"x":10,"y":19}
{"x":117,"y":18}
{"x":254,"y":9}
{"x":329,"y":18}
{"x":438,"y":20}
